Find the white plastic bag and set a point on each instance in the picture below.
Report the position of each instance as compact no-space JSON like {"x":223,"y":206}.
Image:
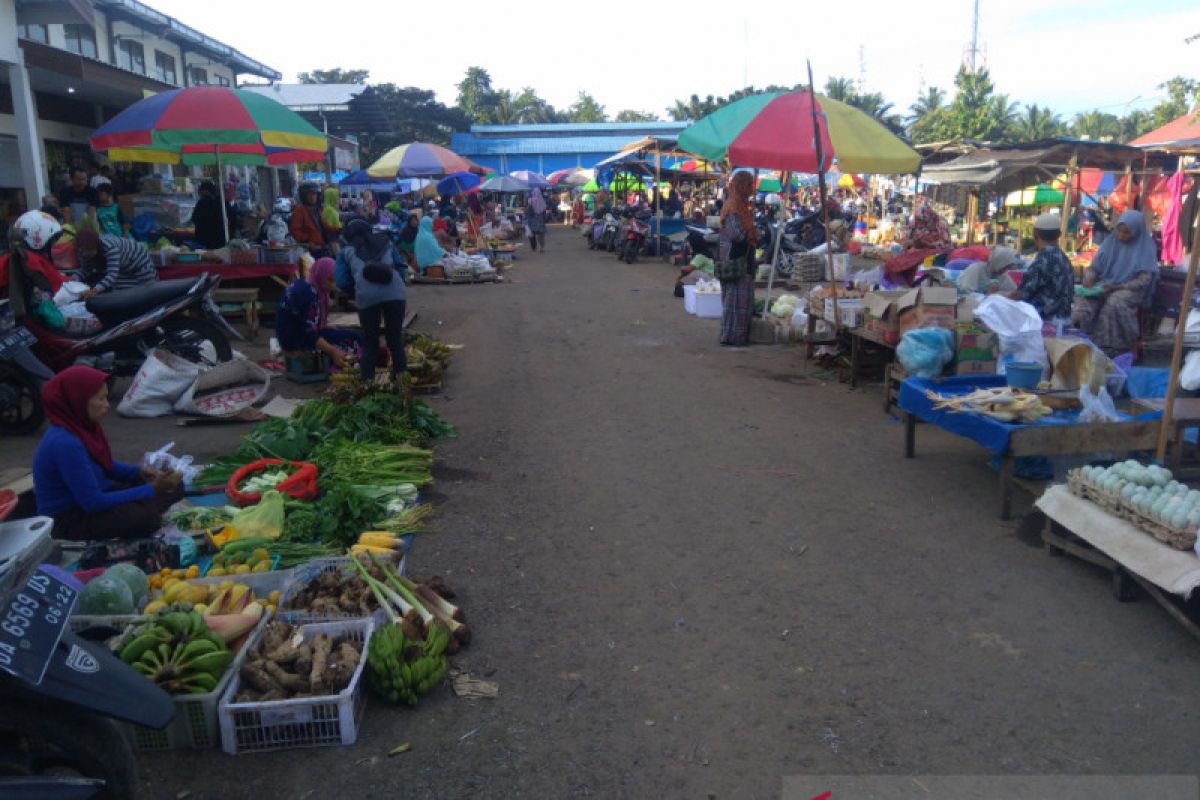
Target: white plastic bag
{"x":69,"y":293}
{"x":162,"y":460}
{"x":1097,"y":407}
{"x":225,"y":389}
{"x":1019,"y":327}
{"x":161,"y":380}
{"x":1189,"y":376}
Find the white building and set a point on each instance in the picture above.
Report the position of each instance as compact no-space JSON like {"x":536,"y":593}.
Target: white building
{"x":68,"y":66}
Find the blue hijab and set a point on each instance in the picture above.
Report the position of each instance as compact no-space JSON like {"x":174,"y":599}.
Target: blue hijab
{"x":427,"y":250}
{"x":1118,"y":262}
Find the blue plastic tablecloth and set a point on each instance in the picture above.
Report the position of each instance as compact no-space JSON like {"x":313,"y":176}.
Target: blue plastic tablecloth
{"x":991,"y":433}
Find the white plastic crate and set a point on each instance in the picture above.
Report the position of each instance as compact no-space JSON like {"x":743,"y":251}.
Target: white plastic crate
{"x":302,"y":721}
{"x":689,"y":298}
{"x":306,"y":574}
{"x":708,"y":305}
{"x":196,"y":725}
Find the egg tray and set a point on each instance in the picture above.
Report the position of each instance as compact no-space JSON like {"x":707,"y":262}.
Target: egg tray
{"x":1178,"y":538}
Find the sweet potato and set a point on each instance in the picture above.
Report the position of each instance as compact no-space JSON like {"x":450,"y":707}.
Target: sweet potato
{"x":291,"y":683}
{"x":254,"y":676}
{"x":342,"y":665}
{"x":321,"y":648}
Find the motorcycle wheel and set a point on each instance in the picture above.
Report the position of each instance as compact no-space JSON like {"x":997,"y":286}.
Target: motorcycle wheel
{"x":785,"y":266}
{"x":185,"y":337}
{"x":630,"y":252}
{"x":43,"y":740}
{"x":20,"y":403}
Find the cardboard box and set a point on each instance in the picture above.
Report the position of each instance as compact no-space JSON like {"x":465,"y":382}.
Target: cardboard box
{"x":850,"y":311}
{"x":965,"y":310}
{"x":975,"y":368}
{"x":928,"y":307}
{"x":883,"y":315}
{"x":975,"y":348}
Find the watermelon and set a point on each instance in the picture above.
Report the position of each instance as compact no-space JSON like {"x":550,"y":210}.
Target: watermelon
{"x":105,"y":595}
{"x":134,"y":578}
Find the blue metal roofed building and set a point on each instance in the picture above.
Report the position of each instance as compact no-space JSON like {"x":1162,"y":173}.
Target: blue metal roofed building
{"x":549,"y":147}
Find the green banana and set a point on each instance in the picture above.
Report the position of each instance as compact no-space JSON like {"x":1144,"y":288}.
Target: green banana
{"x":151,"y":658}
{"x":212,"y":663}
{"x":177,"y":622}
{"x":198,"y":647}
{"x":198,"y":628}
{"x":132,"y":651}
{"x":199,"y":683}
{"x":164,"y":654}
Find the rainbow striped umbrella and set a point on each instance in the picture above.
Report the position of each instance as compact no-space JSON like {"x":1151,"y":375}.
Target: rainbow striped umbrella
{"x":206,"y":124}
{"x":419,"y":160}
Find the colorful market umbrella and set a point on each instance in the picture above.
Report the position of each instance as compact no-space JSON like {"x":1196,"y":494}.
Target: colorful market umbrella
{"x":1040,"y":195}
{"x":534,"y":179}
{"x":458,"y":183}
{"x":774,"y":130}
{"x":556,"y":177}
{"x":419,"y":160}
{"x":849,"y":181}
{"x":504,"y":183}
{"x":574,"y":177}
{"x":198,"y":124}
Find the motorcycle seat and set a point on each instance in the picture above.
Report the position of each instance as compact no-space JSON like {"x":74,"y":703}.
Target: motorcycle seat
{"x":128,"y":303}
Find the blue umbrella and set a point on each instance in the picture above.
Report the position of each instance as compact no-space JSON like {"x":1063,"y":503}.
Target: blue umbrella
{"x":457,"y":183}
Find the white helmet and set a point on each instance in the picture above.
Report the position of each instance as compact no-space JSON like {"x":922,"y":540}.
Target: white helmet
{"x":283,"y":205}
{"x":36,"y":230}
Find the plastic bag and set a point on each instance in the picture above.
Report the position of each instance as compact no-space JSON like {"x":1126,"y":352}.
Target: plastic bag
{"x":1019,"y":327}
{"x":159,"y":383}
{"x":163,"y":460}
{"x":1189,"y":376}
{"x":925,"y":352}
{"x":1097,"y":407}
{"x":69,"y":294}
{"x":264,"y":519}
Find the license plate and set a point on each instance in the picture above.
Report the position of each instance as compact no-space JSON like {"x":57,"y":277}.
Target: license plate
{"x":32,"y":624}
{"x":21,"y":337}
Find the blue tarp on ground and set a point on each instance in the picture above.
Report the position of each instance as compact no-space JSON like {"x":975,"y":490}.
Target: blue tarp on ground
{"x":991,"y":433}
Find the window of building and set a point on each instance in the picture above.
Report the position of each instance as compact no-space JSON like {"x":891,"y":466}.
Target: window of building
{"x":222,"y":80}
{"x":131,"y":56}
{"x":164,"y":67}
{"x":199,"y":76}
{"x":81,"y":39}
{"x":34,"y":33}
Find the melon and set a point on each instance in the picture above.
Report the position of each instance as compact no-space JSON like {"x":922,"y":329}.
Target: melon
{"x":105,"y":595}
{"x":133,"y":577}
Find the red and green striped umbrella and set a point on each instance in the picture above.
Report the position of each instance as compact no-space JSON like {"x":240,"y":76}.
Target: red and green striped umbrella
{"x":419,"y":160}
{"x":774,"y":130}
{"x":195,"y":125}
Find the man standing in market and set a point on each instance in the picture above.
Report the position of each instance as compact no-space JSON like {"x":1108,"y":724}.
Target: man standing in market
{"x":76,"y":197}
{"x":1049,"y":283}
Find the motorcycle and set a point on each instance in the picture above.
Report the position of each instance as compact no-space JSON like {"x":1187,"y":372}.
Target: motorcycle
{"x":138,"y":320}
{"x":60,"y":692}
{"x":21,"y":374}
{"x":608,"y":236}
{"x":636,"y":230}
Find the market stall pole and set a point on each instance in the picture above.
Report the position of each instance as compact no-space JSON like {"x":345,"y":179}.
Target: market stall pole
{"x":1072,"y":172}
{"x":837,"y":314}
{"x":1180,"y":329}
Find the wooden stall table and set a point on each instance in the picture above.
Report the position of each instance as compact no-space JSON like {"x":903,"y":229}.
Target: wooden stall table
{"x":1057,"y":434}
{"x":1185,"y":413}
{"x":269,"y":279}
{"x":1087,"y":531}
{"x":862,"y":343}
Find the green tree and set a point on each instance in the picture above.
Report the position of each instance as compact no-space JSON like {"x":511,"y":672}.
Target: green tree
{"x":1096,"y":125}
{"x":1182,"y":93}
{"x":334,"y":76}
{"x":971,"y":114}
{"x":876,"y":106}
{"x":476,"y":95}
{"x":1037,"y":123}
{"x":415,"y":115}
{"x":586,"y":109}
{"x":928,"y":117}
{"x":693,"y":108}
{"x":502,"y":109}
{"x":1004,"y":116}
{"x":934,"y":99}
{"x":839,"y":88}
{"x":533,"y":109}
{"x":632,"y":115}
{"x":1136,"y":123}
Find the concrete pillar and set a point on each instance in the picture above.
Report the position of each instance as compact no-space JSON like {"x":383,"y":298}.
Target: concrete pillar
{"x":33,"y":165}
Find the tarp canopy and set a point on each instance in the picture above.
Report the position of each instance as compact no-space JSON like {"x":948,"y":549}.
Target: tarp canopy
{"x":1181,"y":135}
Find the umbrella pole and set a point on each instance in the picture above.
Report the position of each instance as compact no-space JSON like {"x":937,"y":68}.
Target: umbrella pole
{"x":775,"y":251}
{"x":812,"y":96}
{"x":1189,"y":284}
{"x":221,"y":194}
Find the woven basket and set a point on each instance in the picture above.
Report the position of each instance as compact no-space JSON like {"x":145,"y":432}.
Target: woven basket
{"x":1178,"y":538}
{"x":808,"y":268}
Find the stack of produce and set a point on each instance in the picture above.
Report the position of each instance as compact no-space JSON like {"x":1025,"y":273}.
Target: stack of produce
{"x":427,"y":359}
{"x":179,"y":650}
{"x":1144,"y":492}
{"x":280,"y":667}
{"x":240,"y":557}
{"x":120,"y":589}
{"x":334,"y":595}
{"x":214,"y":599}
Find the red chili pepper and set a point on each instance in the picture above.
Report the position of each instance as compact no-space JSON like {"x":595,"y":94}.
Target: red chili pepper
{"x":301,"y":484}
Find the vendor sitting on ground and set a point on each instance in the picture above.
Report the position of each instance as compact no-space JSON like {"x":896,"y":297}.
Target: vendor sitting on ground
{"x":988,"y":277}
{"x":307,"y":225}
{"x":426,"y":247}
{"x":406,"y":240}
{"x":1049,"y":283}
{"x":126,"y":262}
{"x":1125,"y":266}
{"x":75,"y":479}
{"x":446,"y":232}
{"x":302,"y":317}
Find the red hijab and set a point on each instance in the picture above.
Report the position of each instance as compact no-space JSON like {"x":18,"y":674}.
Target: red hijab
{"x":65,"y":398}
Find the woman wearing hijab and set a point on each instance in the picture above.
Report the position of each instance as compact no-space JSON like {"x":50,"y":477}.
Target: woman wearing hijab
{"x":75,"y":479}
{"x":331,"y":217}
{"x":535,"y":222}
{"x":426,"y":246}
{"x":379,"y":294}
{"x":1126,"y":266}
{"x":302,"y":318}
{"x":990,"y":276}
{"x":738,"y":238}
{"x":406,"y":240}
{"x":928,"y":229}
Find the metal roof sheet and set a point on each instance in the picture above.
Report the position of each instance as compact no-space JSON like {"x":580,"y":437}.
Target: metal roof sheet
{"x":294,"y":95}
{"x":593,"y":128}
{"x":466,"y":144}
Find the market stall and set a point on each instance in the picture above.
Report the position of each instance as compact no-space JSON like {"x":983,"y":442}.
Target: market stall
{"x":1045,"y":432}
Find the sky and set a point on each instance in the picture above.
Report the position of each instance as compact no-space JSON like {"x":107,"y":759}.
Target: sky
{"x":1073,"y":55}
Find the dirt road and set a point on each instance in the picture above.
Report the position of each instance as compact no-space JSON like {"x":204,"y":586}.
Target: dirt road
{"x":695,"y":571}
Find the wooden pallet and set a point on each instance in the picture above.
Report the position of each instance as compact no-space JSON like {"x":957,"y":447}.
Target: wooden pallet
{"x":460,"y":280}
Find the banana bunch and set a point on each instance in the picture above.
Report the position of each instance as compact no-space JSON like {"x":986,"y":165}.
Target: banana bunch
{"x":177,"y":651}
{"x":402,"y":669}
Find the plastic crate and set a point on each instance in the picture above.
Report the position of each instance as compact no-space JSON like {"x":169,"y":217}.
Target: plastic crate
{"x":302,"y":721}
{"x":196,"y":725}
{"x":280,"y":255}
{"x":708,"y":305}
{"x":307,"y":573}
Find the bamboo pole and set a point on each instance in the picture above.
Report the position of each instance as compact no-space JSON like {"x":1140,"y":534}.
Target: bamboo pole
{"x":221,"y":194}
{"x":1066,"y":204}
{"x":1185,"y":305}
{"x":775,"y":249}
{"x":812,"y":95}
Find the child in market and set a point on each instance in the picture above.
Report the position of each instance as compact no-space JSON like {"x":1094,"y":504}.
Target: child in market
{"x":109,"y":218}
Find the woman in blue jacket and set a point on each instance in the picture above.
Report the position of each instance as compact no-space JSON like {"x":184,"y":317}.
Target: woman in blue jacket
{"x":75,"y":479}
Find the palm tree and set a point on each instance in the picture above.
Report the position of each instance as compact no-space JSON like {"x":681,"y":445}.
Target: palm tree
{"x":933,"y":100}
{"x":1004,"y":114}
{"x":1135,"y":123}
{"x":1037,"y":123}
{"x":839,"y":89}
{"x":874,"y":105}
{"x":1097,"y":125}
